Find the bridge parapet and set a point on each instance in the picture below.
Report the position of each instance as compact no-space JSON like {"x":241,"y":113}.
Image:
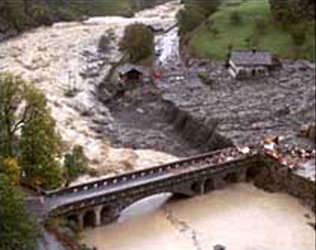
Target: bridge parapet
{"x":167,"y":184}
{"x":116,"y":180}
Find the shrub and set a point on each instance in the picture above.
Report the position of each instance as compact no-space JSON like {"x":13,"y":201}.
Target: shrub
{"x":75,"y":164}
{"x":235,"y":17}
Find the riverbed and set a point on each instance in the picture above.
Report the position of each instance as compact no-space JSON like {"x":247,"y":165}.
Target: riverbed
{"x":240,"y":217}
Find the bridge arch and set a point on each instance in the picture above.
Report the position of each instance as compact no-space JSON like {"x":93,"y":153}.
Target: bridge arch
{"x":89,"y":219}
{"x":128,"y":203}
{"x":231,"y":177}
{"x":197,"y":187}
{"x":252,"y":173}
{"x":209,"y":185}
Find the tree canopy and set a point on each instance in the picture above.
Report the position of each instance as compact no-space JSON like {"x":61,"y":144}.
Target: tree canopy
{"x":28,"y":133}
{"x":16,"y":228}
{"x":75,"y":164}
{"x":137,"y":42}
{"x":194,"y":13}
{"x":40,"y":146}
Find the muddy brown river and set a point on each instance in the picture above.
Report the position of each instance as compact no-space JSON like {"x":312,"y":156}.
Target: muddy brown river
{"x":240,"y":217}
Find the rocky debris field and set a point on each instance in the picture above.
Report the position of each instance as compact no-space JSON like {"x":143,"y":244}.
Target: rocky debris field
{"x":248,"y":111}
{"x":142,"y":124}
{"x":184,"y":117}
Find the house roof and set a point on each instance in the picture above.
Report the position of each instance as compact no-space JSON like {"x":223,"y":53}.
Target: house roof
{"x":251,"y":58}
{"x":126,"y":68}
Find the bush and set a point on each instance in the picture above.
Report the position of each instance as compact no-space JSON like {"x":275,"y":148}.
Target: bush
{"x":138,"y":42}
{"x":75,"y":164}
{"x":235,"y":17}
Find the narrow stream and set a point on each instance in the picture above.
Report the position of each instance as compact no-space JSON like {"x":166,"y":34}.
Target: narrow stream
{"x":240,"y":217}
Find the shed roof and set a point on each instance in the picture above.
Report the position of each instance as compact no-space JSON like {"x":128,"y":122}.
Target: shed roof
{"x":126,"y":68}
{"x":251,"y":58}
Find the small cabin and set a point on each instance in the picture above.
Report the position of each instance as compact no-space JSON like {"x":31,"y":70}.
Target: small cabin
{"x":245,"y":64}
{"x":129,"y":73}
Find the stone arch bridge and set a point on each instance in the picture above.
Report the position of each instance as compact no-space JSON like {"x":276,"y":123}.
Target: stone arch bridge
{"x":102,"y":201}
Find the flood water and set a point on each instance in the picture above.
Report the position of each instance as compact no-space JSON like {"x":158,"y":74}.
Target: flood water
{"x":240,"y":217}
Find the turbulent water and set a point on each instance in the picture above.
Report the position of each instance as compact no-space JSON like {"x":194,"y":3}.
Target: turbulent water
{"x":66,"y":56}
{"x":240,"y":217}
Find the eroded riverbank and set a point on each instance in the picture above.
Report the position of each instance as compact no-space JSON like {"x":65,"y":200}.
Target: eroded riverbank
{"x":240,"y":217}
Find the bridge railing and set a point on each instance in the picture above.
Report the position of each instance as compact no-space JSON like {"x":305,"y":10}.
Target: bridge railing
{"x":131,"y":176}
{"x":169,"y":180}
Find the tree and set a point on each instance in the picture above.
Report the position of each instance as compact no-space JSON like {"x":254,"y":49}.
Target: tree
{"x":14,"y":111}
{"x":195,"y":12}
{"x":11,"y":168}
{"x":16,"y":228}
{"x":189,"y":19}
{"x":28,"y":130}
{"x":137,"y":42}
{"x":13,"y":12}
{"x":40,"y":145}
{"x":75,"y":164}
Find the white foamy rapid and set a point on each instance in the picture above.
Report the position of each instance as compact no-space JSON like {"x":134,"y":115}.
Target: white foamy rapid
{"x":65,"y":56}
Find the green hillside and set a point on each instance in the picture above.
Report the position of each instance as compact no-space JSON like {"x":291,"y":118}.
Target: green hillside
{"x":249,"y":23}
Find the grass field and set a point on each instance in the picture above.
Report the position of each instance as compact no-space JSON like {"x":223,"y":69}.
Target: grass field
{"x":213,"y":37}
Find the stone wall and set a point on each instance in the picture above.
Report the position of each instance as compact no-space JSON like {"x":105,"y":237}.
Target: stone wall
{"x":200,"y":133}
{"x":276,"y":178}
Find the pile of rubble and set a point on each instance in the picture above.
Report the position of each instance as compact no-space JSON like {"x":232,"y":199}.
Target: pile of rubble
{"x":294,"y":157}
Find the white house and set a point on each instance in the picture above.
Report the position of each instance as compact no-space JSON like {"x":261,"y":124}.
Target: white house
{"x":250,"y":63}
